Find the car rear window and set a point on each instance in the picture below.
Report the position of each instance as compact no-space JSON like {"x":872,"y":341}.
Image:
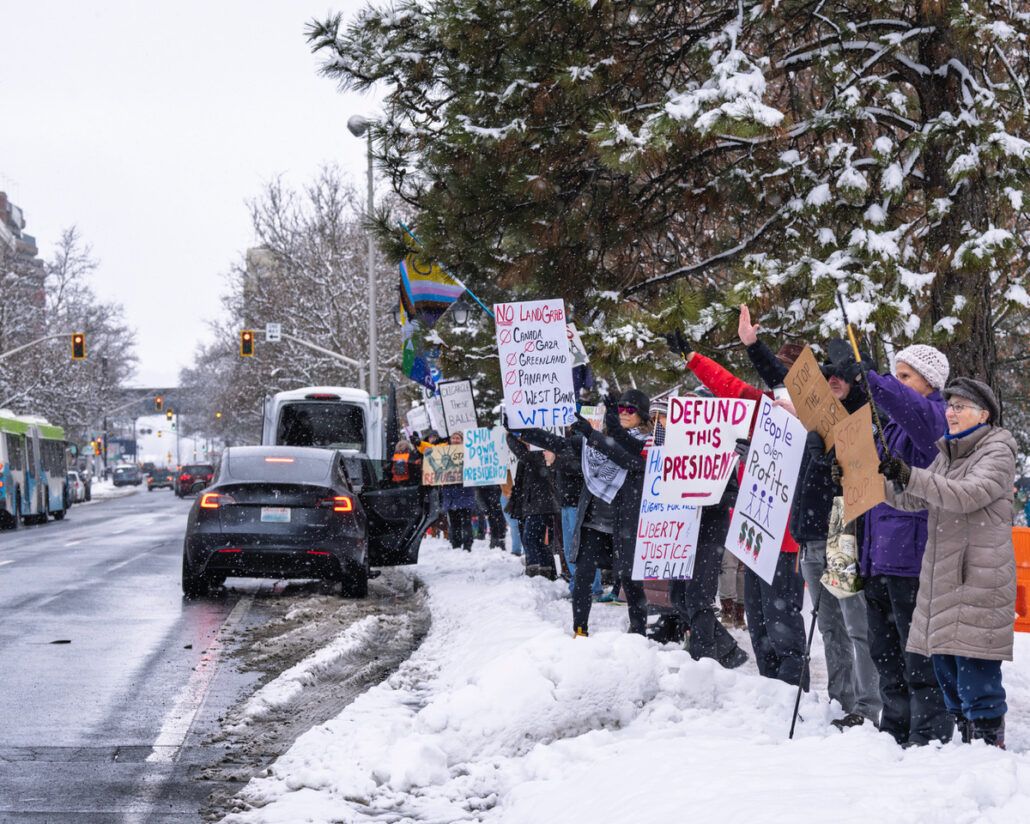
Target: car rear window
{"x":198,"y":469}
{"x":329,"y":424}
{"x":286,"y":468}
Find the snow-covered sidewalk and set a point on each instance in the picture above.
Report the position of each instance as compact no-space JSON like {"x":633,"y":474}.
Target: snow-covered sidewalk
{"x":502,"y":716}
{"x":104,"y":490}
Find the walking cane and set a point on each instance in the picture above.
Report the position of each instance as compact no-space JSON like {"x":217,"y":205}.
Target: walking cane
{"x":808,"y":659}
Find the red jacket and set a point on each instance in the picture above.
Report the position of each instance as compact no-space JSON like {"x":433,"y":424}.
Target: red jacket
{"x":724,"y":384}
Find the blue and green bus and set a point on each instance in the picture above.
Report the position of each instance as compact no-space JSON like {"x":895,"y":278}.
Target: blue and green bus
{"x":33,"y":470}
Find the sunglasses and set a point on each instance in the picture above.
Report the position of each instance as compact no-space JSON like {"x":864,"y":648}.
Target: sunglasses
{"x":627,"y":410}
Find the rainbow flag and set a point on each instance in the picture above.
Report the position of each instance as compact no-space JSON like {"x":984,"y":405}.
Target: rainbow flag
{"x":426,"y":290}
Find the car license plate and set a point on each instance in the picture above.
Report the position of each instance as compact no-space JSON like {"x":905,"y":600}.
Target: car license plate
{"x":275,"y":514}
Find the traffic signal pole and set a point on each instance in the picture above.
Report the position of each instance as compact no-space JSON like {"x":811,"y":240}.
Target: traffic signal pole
{"x":29,"y":345}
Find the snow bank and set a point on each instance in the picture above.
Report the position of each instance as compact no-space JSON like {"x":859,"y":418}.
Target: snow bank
{"x":102,"y":490}
{"x":501,"y":716}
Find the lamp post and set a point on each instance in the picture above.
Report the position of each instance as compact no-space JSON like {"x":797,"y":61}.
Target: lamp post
{"x":358,"y":126}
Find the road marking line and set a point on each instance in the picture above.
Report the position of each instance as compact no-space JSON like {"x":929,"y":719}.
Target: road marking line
{"x":76,"y":541}
{"x":120,"y":564}
{"x":189,"y":699}
{"x":5,"y":563}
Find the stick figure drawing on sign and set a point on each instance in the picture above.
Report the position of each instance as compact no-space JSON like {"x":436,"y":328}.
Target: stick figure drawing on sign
{"x":751,"y":501}
{"x":768,"y":510}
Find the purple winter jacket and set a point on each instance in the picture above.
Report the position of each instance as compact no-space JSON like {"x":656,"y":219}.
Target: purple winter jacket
{"x":893,"y":541}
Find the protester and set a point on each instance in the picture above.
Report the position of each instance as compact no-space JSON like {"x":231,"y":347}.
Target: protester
{"x":406,"y":464}
{"x":488,"y":499}
{"x":851,"y":675}
{"x":513,"y":525}
{"x":967,"y":582}
{"x":570,"y":488}
{"x":459,"y":502}
{"x":534,"y":504}
{"x":773,"y":610}
{"x":731,"y":592}
{"x":613,"y":471}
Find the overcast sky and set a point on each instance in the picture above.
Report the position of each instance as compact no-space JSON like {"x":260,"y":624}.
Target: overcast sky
{"x":148,"y":125}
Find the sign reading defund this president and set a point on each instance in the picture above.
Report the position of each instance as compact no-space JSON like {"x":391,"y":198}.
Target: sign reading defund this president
{"x":666,"y":533}
{"x":699,"y":455}
{"x":766,"y":489}
{"x":536,"y":367}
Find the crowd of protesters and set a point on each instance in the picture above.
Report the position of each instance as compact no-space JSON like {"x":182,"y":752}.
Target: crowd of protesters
{"x":915,"y":639}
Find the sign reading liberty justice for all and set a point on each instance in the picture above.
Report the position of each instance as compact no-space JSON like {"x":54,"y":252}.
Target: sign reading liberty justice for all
{"x":666,"y":533}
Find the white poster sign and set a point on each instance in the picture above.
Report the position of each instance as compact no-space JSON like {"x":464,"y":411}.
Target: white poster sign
{"x":767,"y":489}
{"x":666,"y":533}
{"x":536,"y":366}
{"x":273,"y":332}
{"x":700,"y":440}
{"x":459,"y":405}
{"x":436,"y":419}
{"x":418,"y":419}
{"x":486,"y":456}
{"x":576,"y":347}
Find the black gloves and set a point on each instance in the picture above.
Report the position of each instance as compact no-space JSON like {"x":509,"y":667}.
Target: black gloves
{"x":837,"y":473}
{"x":582,"y":426}
{"x":679,"y":343}
{"x":895,"y":469}
{"x":742,"y":447}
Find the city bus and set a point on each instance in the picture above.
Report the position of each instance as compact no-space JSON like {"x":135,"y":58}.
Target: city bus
{"x":33,"y":470}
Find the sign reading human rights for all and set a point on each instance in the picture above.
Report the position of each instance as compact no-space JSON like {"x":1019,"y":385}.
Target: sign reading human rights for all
{"x":767,"y":489}
{"x":699,"y":455}
{"x":486,"y":456}
{"x":536,"y":365}
{"x":666,"y":533}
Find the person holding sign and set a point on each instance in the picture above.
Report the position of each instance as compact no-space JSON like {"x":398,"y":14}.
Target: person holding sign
{"x":609,"y":508}
{"x":773,"y":610}
{"x":534,"y":504}
{"x":459,"y":502}
{"x":967,"y":581}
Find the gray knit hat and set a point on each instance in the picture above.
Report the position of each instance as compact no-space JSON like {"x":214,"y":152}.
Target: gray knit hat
{"x":979,"y":393}
{"x":931,"y":363}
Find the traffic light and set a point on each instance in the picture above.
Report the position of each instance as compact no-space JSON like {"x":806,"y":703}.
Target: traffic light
{"x":159,"y":402}
{"x":218,"y":416}
{"x":168,"y":414}
{"x":78,"y":346}
{"x":247,"y":343}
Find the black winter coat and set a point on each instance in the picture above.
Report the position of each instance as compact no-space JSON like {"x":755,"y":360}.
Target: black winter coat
{"x":534,"y":492}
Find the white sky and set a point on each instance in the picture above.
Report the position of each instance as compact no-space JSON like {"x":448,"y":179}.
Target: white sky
{"x":148,"y":125}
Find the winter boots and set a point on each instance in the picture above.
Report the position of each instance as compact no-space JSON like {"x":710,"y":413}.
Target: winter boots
{"x":964,"y":727}
{"x":738,"y":616}
{"x":734,"y":658}
{"x":726,"y":615}
{"x":989,"y":730}
{"x":852,"y":719}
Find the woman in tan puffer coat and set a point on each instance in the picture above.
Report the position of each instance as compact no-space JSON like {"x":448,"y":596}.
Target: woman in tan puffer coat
{"x":967,"y":584}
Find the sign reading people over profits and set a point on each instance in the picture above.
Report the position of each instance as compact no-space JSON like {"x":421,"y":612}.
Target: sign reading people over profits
{"x":486,"y":456}
{"x":700,"y":441}
{"x":767,"y":489}
{"x":536,"y":366}
{"x":666,"y":533}
{"x":459,"y":405}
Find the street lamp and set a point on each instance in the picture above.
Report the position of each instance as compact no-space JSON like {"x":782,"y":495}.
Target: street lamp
{"x":460,"y":314}
{"x":358,"y":126}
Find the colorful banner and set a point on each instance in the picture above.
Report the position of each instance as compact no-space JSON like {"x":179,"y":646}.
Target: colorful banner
{"x":700,"y":441}
{"x":767,"y":488}
{"x":536,"y":366}
{"x":666,"y":533}
{"x":486,"y":456}
{"x":426,"y":290}
{"x":442,"y":465}
{"x":459,"y":405}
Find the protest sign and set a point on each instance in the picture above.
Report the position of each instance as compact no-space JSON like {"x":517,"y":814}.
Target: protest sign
{"x":418,"y":419}
{"x":459,"y":405}
{"x":700,"y":441}
{"x":666,"y":533}
{"x":536,"y":366}
{"x":576,"y":347}
{"x":767,"y":489}
{"x":856,"y":454}
{"x":486,"y":456}
{"x":815,"y":404}
{"x":442,"y":465}
{"x":593,"y":414}
{"x":434,"y":406}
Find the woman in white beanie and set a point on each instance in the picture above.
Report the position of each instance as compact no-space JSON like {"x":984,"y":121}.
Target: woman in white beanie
{"x":892,"y":549}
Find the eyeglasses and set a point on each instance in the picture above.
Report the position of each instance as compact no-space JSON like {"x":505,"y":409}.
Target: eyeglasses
{"x":627,"y":410}
{"x":959,"y":408}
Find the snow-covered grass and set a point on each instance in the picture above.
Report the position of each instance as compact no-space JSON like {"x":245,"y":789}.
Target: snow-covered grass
{"x":502,"y":716}
{"x":102,"y":490}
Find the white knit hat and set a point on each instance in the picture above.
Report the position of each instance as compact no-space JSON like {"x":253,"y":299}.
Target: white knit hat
{"x":931,"y":363}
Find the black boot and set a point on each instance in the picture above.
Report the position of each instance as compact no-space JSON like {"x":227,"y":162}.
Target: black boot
{"x":964,"y":727}
{"x":734,"y":658}
{"x":989,"y":730}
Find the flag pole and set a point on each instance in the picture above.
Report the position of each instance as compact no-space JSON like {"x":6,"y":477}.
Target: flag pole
{"x":457,"y":280}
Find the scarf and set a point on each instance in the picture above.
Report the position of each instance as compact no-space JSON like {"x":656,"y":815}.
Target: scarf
{"x":603,"y":477}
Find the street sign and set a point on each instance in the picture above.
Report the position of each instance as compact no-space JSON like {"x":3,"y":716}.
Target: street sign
{"x":273,"y":332}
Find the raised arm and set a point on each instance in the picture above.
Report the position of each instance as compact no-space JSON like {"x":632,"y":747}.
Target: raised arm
{"x":608,"y":446}
{"x":722,"y":382}
{"x":769,"y":367}
{"x":921,"y":418}
{"x":548,"y":440}
{"x":516,"y":447}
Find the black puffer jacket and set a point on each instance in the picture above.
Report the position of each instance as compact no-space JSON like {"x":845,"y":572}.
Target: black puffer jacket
{"x":534,"y":492}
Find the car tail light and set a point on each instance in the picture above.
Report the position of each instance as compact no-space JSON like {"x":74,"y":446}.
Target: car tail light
{"x":340,"y":503}
{"x":213,"y":500}
{"x":184,"y":477}
{"x":322,"y":396}
{"x":230,"y":549}
{"x":318,"y":552}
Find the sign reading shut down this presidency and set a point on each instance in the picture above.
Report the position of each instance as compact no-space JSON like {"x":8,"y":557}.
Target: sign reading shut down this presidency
{"x":536,"y":367}
{"x":766,"y":489}
{"x":666,"y":533}
{"x":699,"y":454}
{"x":486,"y":456}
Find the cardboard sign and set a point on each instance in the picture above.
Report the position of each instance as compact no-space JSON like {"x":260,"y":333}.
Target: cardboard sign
{"x":442,"y":465}
{"x":767,"y":489}
{"x":536,"y":366}
{"x":815,"y":404}
{"x":434,"y":406}
{"x":418,"y":419}
{"x":459,"y":405}
{"x":700,"y":441}
{"x":576,"y":347}
{"x":856,"y":453}
{"x":666,"y":533}
{"x":486,"y":456}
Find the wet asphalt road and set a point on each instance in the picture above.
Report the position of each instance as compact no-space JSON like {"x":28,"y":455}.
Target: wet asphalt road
{"x":109,"y":680}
